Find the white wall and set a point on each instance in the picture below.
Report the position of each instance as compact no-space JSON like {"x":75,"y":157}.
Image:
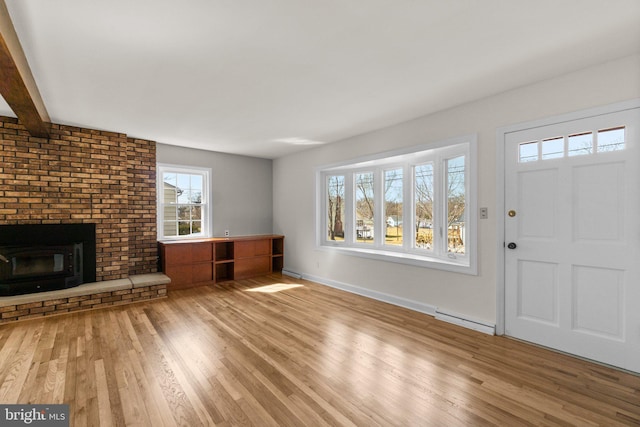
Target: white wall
{"x":242,"y":188}
{"x":472,"y":296}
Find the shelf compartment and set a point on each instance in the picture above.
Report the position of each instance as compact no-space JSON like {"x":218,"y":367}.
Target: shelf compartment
{"x":277,"y":246}
{"x":224,"y":271}
{"x":277,"y":263}
{"x":223,"y":251}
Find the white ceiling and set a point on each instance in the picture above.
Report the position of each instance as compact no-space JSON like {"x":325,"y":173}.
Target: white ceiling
{"x":236,"y":76}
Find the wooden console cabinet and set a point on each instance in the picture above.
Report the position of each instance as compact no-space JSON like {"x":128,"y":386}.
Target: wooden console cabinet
{"x":203,"y":262}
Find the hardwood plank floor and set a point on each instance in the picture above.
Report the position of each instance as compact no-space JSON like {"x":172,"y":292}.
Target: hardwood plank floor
{"x":276,"y":351}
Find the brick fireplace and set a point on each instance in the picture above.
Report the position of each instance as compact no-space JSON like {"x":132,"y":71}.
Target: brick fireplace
{"x":83,"y":175}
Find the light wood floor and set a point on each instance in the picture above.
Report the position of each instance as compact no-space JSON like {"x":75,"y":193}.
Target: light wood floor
{"x":283,"y":352}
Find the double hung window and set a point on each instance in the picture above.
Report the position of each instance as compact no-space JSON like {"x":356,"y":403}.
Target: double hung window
{"x":183,"y":202}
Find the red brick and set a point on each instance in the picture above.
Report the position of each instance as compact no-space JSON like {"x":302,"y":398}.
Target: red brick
{"x":67,"y":305}
{"x":15,"y":313}
{"x":42,"y":309}
{"x":91,"y":302}
{"x":29,"y":305}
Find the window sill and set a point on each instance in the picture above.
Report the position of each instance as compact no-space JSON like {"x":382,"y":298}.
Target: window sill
{"x":405,"y":258}
{"x":183,"y":238}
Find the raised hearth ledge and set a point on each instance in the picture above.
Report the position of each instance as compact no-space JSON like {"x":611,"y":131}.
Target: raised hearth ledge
{"x":84,"y":297}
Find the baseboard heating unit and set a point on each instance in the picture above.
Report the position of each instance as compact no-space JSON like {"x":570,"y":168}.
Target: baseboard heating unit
{"x":466,"y":322}
{"x":292,"y":274}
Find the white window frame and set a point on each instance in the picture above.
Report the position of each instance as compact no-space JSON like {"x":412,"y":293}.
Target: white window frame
{"x":161,"y":169}
{"x":437,"y":153}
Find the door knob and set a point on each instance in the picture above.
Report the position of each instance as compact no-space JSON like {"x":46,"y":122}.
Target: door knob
{"x":512,"y":245}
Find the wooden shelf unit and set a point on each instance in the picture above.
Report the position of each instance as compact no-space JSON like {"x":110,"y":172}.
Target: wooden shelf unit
{"x":207,"y":261}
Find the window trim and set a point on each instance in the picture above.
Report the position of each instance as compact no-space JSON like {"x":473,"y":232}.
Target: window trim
{"x":405,"y":158}
{"x":162,"y":168}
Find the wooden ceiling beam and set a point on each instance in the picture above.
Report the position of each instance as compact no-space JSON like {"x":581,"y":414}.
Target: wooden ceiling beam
{"x":17,"y":85}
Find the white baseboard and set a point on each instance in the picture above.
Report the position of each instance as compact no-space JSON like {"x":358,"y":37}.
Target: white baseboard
{"x":380,"y":296}
{"x":440,"y":314}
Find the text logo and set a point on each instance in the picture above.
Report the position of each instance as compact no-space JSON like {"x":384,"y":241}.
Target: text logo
{"x":34,"y":415}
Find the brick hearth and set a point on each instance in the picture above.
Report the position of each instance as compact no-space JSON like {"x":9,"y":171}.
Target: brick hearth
{"x":84,"y":297}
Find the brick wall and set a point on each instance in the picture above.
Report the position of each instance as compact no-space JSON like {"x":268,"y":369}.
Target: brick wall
{"x":141,"y":182}
{"x":87,"y":176}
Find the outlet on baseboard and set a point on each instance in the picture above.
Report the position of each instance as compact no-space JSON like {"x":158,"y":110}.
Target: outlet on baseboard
{"x":226,"y":233}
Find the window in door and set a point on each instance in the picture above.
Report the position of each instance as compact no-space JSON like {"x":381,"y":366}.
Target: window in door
{"x":575,"y":144}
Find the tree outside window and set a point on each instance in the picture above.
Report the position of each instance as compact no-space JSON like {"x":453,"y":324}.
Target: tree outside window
{"x":365,"y":207}
{"x":393,"y":207}
{"x":423,"y":222}
{"x":456,"y":204}
{"x":335,"y":207}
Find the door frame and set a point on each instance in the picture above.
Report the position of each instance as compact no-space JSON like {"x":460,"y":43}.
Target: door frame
{"x":501,"y":134}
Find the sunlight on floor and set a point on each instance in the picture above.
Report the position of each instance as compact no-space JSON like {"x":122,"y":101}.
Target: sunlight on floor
{"x":276,"y":287}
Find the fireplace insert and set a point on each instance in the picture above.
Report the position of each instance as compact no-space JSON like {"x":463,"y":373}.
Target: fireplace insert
{"x":25,"y":269}
{"x":46,"y":257}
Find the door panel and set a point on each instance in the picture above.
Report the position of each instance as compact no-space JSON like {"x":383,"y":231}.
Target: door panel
{"x":572,"y":277}
{"x":538,"y":209}
{"x":598,"y":201}
{"x":538,"y":291}
{"x":598,"y":301}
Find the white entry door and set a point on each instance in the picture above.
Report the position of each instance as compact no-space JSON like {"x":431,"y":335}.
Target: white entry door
{"x":572,"y":231}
